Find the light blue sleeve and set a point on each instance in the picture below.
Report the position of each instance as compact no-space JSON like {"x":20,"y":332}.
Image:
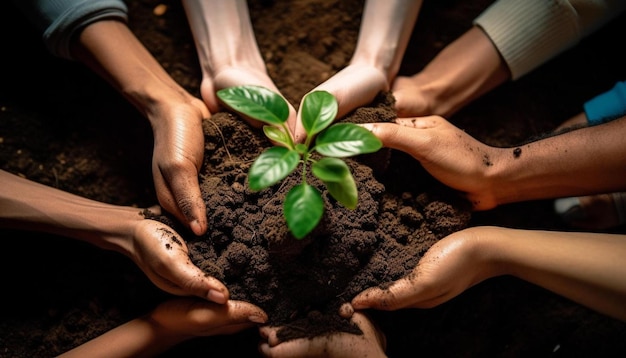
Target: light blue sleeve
{"x":59,"y":20}
{"x":607,"y":106}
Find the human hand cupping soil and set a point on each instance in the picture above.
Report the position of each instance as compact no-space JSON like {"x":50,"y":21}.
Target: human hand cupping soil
{"x":449,"y":267}
{"x":448,"y":153}
{"x":371,"y":343}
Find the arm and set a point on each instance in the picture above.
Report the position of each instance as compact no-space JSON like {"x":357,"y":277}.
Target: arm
{"x":159,"y":251}
{"x":227,"y":49}
{"x":110,"y":49}
{"x":463,"y":71}
{"x":508,"y":40}
{"x":584,"y":267}
{"x":95,"y":33}
{"x":581,"y":162}
{"x":171,"y":323}
{"x":384,"y":34}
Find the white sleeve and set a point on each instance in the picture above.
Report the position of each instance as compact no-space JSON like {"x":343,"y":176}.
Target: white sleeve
{"x":528,"y":33}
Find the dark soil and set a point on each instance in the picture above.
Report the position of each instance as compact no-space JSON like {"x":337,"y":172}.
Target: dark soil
{"x":302,"y":283}
{"x":63,"y":126}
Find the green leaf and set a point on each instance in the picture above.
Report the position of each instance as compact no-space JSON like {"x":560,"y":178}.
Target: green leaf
{"x":319,"y":109}
{"x":345,"y":140}
{"x":256,"y":102}
{"x":303,"y":208}
{"x":272,"y":166}
{"x":277,"y":135}
{"x":338,"y":179}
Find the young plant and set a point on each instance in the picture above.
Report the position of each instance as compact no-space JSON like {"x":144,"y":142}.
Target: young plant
{"x":303,"y":207}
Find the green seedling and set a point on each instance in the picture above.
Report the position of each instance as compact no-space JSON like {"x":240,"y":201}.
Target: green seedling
{"x":303,"y":207}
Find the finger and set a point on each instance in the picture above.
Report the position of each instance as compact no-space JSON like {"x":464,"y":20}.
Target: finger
{"x":186,"y":191}
{"x":396,"y":136}
{"x":270,"y":334}
{"x":155,"y":210}
{"x":295,"y":348}
{"x":201,"y":285}
{"x":399,"y":295}
{"x":346,"y":310}
{"x":420,"y":122}
{"x":232,"y":313}
{"x":179,"y":275}
{"x":365,"y":82}
{"x":245,"y":312}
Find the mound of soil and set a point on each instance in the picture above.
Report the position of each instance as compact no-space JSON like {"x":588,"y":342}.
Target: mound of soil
{"x":302,"y":283}
{"x":63,"y":126}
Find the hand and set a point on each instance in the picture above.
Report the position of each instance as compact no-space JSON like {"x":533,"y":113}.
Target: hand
{"x":446,"y":152}
{"x":177,"y":157}
{"x":193,"y":317}
{"x":448,"y":268}
{"x":169,"y":324}
{"x":231,"y":77}
{"x":410,"y":101}
{"x":227,"y":51}
{"x":162,"y":255}
{"x":354,"y":86}
{"x":345,"y":345}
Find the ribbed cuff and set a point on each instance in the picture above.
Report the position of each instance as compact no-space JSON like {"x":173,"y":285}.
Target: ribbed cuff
{"x":528,"y":33}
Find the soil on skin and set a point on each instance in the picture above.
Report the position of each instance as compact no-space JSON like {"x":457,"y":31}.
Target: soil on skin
{"x":62,"y":126}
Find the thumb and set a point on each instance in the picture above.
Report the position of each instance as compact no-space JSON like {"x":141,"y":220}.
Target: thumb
{"x":245,"y":312}
{"x":389,"y":299}
{"x":394,"y":135}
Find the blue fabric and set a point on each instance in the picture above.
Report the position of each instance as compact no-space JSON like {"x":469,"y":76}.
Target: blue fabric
{"x":59,"y":20}
{"x":607,"y":106}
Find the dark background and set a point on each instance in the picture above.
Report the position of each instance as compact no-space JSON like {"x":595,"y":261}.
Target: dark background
{"x":64,"y":127}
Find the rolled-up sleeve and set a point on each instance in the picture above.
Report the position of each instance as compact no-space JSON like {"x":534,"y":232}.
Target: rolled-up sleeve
{"x":528,"y":33}
{"x":59,"y":20}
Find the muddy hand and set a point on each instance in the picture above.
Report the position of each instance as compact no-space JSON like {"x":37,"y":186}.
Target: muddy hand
{"x":345,"y":345}
{"x":162,"y":255}
{"x":177,"y":157}
{"x":448,"y":268}
{"x":446,"y":152}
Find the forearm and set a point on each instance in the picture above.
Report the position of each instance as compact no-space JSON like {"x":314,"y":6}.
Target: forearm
{"x":223,"y":35}
{"x":529,"y":33}
{"x":111,"y":50}
{"x":462,"y":72}
{"x":27,"y":205}
{"x":587,"y":268}
{"x":582,"y":162}
{"x":141,"y":337}
{"x":385,"y":31}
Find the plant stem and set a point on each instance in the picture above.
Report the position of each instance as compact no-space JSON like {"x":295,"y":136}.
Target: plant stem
{"x":305,"y":163}
{"x":292,"y":144}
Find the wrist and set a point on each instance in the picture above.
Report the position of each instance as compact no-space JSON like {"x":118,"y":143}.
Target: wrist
{"x":507,"y":175}
{"x":45,"y":209}
{"x":454,"y":79}
{"x":489,"y":245}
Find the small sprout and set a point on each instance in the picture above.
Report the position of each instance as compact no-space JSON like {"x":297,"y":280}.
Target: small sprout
{"x":303,"y":207}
